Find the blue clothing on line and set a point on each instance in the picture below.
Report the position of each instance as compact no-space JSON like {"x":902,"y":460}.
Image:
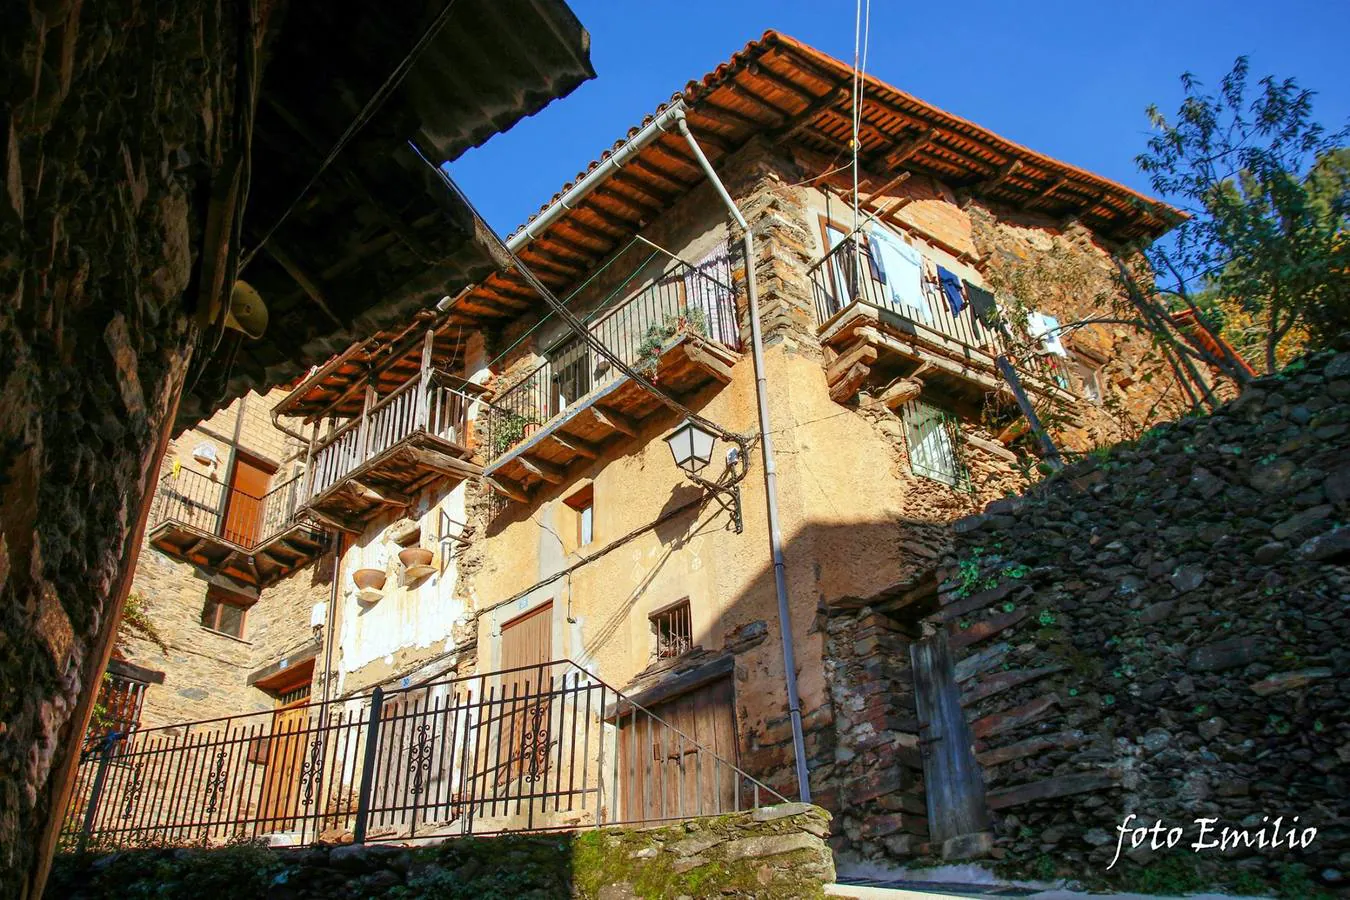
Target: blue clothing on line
{"x":951,"y":289}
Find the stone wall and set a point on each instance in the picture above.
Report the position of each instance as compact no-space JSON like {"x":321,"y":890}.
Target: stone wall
{"x":773,"y":852}
{"x":206,"y":672}
{"x":114,"y":119}
{"x":1159,"y":631}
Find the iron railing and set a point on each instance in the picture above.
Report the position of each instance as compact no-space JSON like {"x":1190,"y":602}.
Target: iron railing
{"x":849,"y":274}
{"x":536,"y":748}
{"x":243,"y":519}
{"x":698,"y":300}
{"x":442,"y":411}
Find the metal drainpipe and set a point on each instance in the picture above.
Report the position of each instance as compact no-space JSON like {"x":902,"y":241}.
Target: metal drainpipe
{"x":770,"y":467}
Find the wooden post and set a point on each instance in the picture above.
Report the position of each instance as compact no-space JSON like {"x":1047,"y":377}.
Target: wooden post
{"x":1010,"y":375}
{"x":363,"y":433}
{"x":425,"y":383}
{"x":309,"y":467}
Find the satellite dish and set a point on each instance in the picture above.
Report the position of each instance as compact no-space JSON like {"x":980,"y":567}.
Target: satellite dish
{"x":247,"y":312}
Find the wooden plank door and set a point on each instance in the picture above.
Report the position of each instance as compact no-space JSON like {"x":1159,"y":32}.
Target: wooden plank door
{"x":663,"y":772}
{"x":527,"y":647}
{"x":285,"y":756}
{"x":244,"y":508}
{"x":952,"y":777}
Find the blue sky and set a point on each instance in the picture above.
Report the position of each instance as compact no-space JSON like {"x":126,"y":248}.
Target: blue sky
{"x":1071,"y":80}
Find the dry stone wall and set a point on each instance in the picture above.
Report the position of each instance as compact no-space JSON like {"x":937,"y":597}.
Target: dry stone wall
{"x":114,"y":117}
{"x":1160,"y":631}
{"x":773,"y":852}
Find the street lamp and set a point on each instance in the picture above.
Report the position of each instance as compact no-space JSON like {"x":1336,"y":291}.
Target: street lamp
{"x":692,"y":445}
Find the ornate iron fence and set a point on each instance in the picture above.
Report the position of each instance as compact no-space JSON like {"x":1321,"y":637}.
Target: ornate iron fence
{"x":700,"y":300}
{"x":536,"y":748}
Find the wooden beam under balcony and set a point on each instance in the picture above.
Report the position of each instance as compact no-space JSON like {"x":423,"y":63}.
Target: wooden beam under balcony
{"x":403,"y":443}
{"x":611,"y":413}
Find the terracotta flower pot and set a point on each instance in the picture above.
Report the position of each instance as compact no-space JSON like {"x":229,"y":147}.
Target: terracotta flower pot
{"x":369,"y":579}
{"x":416,"y":561}
{"x":531,"y":428}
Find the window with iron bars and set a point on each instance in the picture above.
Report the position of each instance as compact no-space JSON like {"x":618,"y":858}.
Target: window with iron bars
{"x":571,"y":367}
{"x":674,"y":630}
{"x":933,"y":436}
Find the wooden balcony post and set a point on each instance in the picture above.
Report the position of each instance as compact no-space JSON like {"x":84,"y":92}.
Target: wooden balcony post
{"x":363,"y":435}
{"x":424,"y":384}
{"x":308,"y":484}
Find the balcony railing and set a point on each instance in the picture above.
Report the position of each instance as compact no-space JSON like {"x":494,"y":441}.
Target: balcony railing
{"x":440,"y":411}
{"x":685,"y":299}
{"x":836,"y":285}
{"x":533,"y":748}
{"x":211,"y":507}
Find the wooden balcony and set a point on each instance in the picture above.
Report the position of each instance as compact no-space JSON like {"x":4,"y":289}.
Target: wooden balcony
{"x":681,"y":331}
{"x":872,"y":339}
{"x":226,"y":531}
{"x":401,"y":443}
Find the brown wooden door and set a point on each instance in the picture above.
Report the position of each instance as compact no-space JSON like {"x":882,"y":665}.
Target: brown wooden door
{"x":285,"y":756}
{"x":244,"y":508}
{"x":677,"y":762}
{"x":952,"y":778}
{"x":527,"y":645}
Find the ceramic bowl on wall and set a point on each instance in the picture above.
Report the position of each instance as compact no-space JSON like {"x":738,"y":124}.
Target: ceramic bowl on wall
{"x":369,"y":584}
{"x":416,"y":561}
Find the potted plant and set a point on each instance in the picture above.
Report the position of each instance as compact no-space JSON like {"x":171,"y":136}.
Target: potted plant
{"x":416,"y":561}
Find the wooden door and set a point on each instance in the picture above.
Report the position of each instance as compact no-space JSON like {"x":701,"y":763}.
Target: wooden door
{"x":677,"y":762}
{"x":952,"y":777}
{"x":527,"y":646}
{"x":244,"y":507}
{"x":285,"y":756}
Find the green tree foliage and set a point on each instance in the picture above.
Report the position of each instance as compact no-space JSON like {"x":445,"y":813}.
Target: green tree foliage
{"x":1264,"y":253}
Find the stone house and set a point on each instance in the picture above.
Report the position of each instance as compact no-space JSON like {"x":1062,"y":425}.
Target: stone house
{"x":505,"y":514}
{"x":228,"y":577}
{"x":502,"y":491}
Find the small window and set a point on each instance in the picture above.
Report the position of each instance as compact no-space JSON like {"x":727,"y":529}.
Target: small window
{"x":934,"y":441}
{"x":673,"y":628}
{"x":224,"y":611}
{"x":583,"y":504}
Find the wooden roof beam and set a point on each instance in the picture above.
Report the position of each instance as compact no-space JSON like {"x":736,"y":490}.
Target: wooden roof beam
{"x":804,"y":119}
{"x":1006,"y":171}
{"x":542,"y":470}
{"x":1045,"y":195}
{"x":308,"y":283}
{"x":741,"y":90}
{"x":901,"y":152}
{"x":680,"y":184}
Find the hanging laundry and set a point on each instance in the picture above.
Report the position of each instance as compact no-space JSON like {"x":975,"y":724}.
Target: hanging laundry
{"x":1046,"y":330}
{"x":951,"y":289}
{"x":982,"y":302}
{"x":903,"y":273}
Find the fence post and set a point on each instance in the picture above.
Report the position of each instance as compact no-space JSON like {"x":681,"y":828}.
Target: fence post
{"x":96,"y":792}
{"x":368,"y":766}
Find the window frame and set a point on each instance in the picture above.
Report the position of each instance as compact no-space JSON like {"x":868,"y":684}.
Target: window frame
{"x":581,"y":502}
{"x":923,"y":421}
{"x":215,"y":598}
{"x":681,"y":612}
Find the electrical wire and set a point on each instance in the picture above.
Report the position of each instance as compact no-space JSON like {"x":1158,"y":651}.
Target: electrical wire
{"x":362,"y":118}
{"x":579,"y":328}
